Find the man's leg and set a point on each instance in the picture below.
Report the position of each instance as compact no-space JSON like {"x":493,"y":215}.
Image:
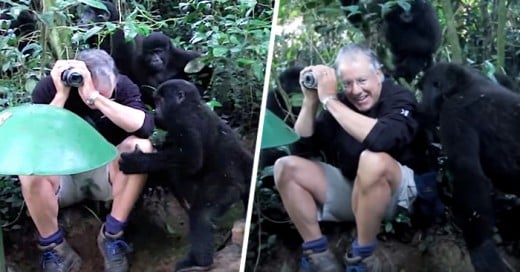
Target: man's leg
{"x":126,"y":189}
{"x":39,"y":193}
{"x":378,"y":178}
{"x":301,"y":184}
{"x":125,"y":192}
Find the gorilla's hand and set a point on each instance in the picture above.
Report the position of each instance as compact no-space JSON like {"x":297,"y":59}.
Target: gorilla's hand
{"x":132,"y":163}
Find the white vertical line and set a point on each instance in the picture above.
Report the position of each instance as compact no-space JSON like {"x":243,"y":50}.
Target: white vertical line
{"x":259,"y":136}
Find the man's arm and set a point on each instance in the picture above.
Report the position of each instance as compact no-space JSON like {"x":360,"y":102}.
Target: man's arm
{"x":125,"y":117}
{"x":355,"y":124}
{"x":304,"y":125}
{"x":50,"y":90}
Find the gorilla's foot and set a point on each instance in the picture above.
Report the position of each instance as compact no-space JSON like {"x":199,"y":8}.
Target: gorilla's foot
{"x":485,"y":258}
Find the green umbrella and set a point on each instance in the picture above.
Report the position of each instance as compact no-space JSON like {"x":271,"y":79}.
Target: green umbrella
{"x":48,"y":140}
{"x":276,"y":132}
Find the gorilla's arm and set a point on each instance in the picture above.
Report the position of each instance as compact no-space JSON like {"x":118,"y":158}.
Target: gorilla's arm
{"x":471,"y":193}
{"x":138,"y":162}
{"x":185,"y":151}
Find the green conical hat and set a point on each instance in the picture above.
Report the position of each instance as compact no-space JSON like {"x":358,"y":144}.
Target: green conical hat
{"x":48,"y":140}
{"x":276,"y":132}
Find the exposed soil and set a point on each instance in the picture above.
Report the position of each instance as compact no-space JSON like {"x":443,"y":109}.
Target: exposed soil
{"x":434,"y":250}
{"x":157,"y":232}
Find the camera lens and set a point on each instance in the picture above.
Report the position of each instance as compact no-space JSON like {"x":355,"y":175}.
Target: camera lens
{"x":309,"y":80}
{"x":71,"y":77}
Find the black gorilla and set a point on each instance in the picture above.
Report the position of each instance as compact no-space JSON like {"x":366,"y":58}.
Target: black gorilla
{"x":479,"y":132}
{"x":206,"y":166}
{"x":290,"y":84}
{"x":23,"y":26}
{"x":507,"y":82}
{"x":160,"y":61}
{"x":356,"y":15}
{"x":115,"y":44}
{"x":414,"y":36}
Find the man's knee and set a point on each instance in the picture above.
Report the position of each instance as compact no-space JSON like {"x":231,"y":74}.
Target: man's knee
{"x":374,"y":167}
{"x":129,"y":144}
{"x":285,"y":170}
{"x":35,"y":184}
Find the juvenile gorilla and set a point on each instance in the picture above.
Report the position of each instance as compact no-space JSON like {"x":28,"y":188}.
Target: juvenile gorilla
{"x":479,"y":132}
{"x":206,"y":166}
{"x":161,"y":61}
{"x":115,"y":44}
{"x":289,"y":81}
{"x":413,"y":36}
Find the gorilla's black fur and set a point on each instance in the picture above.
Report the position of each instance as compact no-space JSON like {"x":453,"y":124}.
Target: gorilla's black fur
{"x":479,"y":132}
{"x":206,"y":166}
{"x":290,"y":84}
{"x":414,"y":36}
{"x":160,"y":61}
{"x":121,"y":50}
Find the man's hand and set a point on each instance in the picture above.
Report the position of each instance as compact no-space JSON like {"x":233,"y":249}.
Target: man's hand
{"x":309,"y":96}
{"x":62,"y":91}
{"x":87,"y":89}
{"x":327,"y":82}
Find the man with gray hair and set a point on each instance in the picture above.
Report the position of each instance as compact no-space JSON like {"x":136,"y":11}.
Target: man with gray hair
{"x":112,"y":104}
{"x":365,"y":133}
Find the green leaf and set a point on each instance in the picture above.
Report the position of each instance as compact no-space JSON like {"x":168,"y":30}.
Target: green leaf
{"x":94,"y":3}
{"x":220,"y":51}
{"x":91,"y":32}
{"x":30,"y":84}
{"x":213,"y":103}
{"x":389,"y":227}
{"x":245,"y":61}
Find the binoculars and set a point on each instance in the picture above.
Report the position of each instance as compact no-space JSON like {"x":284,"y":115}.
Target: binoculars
{"x":71,"y":77}
{"x":309,"y":80}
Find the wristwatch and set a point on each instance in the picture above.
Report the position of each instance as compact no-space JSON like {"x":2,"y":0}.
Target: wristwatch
{"x":327,"y":99}
{"x":92,"y":98}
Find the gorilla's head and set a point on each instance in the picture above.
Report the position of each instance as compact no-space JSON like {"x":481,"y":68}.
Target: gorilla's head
{"x":439,"y":82}
{"x":174,"y":97}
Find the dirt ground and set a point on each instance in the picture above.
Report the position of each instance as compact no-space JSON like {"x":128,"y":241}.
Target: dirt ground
{"x":157,"y":232}
{"x":434,"y":250}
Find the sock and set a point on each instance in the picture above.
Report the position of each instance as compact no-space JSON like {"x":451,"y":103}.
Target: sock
{"x":113,"y":226}
{"x":318,"y":245}
{"x":363,"y":251}
{"x":56,"y":237}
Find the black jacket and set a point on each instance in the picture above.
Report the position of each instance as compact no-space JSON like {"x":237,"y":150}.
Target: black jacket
{"x":394,"y":133}
{"x":126,"y":93}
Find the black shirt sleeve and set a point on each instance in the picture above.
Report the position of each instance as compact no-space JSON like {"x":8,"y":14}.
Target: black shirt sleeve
{"x":128,"y":94}
{"x":396,"y":126}
{"x":325,"y":129}
{"x":44,"y":91}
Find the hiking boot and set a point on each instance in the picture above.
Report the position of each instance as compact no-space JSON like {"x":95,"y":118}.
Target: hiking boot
{"x":59,"y":258}
{"x":319,"y":261}
{"x":359,"y":264}
{"x":114,"y":250}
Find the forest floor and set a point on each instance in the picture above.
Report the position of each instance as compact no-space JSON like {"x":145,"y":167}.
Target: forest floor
{"x":432,"y":250}
{"x":157,"y":231}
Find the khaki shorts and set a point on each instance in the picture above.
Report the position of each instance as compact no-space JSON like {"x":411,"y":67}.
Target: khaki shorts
{"x":94,"y":184}
{"x":338,"y":203}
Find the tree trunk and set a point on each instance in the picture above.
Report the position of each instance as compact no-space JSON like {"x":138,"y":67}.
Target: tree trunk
{"x":452,"y":37}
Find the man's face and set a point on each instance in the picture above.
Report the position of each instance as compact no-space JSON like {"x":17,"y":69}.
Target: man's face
{"x":104,"y":88}
{"x":361,"y":82}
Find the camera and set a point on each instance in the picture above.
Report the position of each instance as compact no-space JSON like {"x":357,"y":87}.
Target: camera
{"x":71,"y":77}
{"x":309,"y":80}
